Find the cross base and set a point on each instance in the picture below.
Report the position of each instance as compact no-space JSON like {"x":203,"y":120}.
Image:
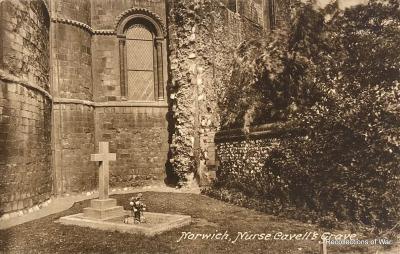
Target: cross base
{"x":157,"y":223}
{"x":103,"y":209}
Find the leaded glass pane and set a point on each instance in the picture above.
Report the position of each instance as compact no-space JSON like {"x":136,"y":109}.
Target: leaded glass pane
{"x":139,"y":55}
{"x":141,"y":85}
{"x":140,"y":63}
{"x":139,"y":32}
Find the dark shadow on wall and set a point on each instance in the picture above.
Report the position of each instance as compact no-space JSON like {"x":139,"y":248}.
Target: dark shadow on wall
{"x":4,"y":130}
{"x":172,"y":178}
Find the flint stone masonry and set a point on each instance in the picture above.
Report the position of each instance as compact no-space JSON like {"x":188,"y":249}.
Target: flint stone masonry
{"x":205,"y":36}
{"x":242,"y":156}
{"x":25,"y":111}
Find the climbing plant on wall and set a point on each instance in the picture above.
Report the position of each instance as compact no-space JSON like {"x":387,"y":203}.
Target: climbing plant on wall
{"x":336,"y":73}
{"x":273,"y":77}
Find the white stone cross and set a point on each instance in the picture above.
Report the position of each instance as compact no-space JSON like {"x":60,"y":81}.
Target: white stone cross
{"x":104,"y":157}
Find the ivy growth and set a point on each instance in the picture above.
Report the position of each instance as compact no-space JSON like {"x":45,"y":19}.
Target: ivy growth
{"x":336,"y":73}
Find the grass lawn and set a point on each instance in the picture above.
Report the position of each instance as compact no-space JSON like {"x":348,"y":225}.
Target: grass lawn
{"x":209,"y":215}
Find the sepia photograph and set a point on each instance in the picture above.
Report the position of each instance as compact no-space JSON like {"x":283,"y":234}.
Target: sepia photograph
{"x":200,"y":126}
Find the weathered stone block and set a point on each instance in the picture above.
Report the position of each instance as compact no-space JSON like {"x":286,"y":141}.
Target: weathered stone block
{"x":102,"y":204}
{"x":104,"y":213}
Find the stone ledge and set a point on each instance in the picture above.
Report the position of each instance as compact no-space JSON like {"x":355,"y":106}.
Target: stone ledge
{"x":159,"y":104}
{"x":83,"y":26}
{"x":259,"y":131}
{"x":73,"y":101}
{"x":157,"y":223}
{"x":9,"y":78}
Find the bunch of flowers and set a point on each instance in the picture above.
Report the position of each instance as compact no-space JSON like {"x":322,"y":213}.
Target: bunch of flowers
{"x":138,"y":207}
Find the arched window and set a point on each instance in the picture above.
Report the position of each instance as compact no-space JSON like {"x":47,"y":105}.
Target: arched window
{"x":140,"y":68}
{"x":141,"y":59}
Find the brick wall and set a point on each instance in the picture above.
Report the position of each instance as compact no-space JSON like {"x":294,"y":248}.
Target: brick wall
{"x":25,"y":105}
{"x":139,"y":136}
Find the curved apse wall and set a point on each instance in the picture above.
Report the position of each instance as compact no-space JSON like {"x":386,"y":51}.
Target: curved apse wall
{"x":25,"y":105}
{"x":73,"y":121}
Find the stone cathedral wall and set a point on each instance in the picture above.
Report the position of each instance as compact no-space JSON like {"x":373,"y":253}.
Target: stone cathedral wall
{"x":139,"y":136}
{"x":137,"y":132}
{"x":78,"y":10}
{"x":60,"y":94}
{"x":105,"y":12}
{"x":88,"y":103}
{"x":73,"y":130}
{"x":25,"y":105}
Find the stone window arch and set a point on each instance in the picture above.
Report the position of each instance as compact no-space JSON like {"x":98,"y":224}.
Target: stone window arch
{"x":141,"y":43}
